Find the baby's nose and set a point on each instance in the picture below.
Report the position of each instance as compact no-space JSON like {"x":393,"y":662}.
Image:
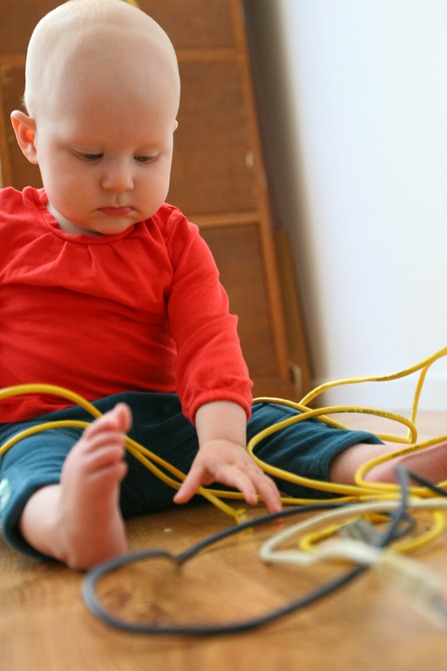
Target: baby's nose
{"x":118,"y":178}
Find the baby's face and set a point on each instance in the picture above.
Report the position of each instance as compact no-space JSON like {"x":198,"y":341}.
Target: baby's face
{"x":104,"y":151}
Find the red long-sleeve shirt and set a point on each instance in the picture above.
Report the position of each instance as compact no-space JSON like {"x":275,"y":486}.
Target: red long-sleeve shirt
{"x":139,"y":311}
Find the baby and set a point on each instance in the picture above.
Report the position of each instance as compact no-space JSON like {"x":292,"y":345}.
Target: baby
{"x":110,"y":292}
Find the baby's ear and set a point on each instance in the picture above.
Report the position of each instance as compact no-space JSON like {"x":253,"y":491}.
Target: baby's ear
{"x":25,"y":130}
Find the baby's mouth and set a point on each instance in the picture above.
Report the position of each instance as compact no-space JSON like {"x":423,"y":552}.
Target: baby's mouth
{"x":123,"y":211}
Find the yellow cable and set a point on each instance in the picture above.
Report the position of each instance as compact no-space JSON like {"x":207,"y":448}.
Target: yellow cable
{"x":138,"y":451}
{"x":309,"y":541}
{"x":362,"y":487}
{"x":350,"y":490}
{"x":382,"y":486}
{"x":52,"y":389}
{"x":288,"y":535}
{"x":382,"y":378}
{"x":424,"y":538}
{"x":320,"y":414}
{"x":362,"y":490}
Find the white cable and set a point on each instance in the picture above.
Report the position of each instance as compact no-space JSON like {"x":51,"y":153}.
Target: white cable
{"x":269,"y":554}
{"x":356,"y":551}
{"x":424,"y":590}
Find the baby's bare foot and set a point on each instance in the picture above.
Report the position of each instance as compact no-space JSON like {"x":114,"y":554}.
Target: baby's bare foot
{"x":91,"y":526}
{"x":78,"y":521}
{"x":431,"y":463}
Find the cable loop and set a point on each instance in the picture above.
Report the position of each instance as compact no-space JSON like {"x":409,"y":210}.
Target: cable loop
{"x":362,"y":490}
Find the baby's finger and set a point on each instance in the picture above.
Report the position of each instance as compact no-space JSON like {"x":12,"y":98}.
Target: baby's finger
{"x":259,"y":485}
{"x":190,"y":486}
{"x":270,"y":494}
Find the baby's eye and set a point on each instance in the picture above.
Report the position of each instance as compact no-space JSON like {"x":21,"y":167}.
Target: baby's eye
{"x":88,"y":156}
{"x":146,"y":159}
{"x":91,"y":157}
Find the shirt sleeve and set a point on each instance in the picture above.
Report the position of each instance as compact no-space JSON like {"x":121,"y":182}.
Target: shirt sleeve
{"x":210,"y":365}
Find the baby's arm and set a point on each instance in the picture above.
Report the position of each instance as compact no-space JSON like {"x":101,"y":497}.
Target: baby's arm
{"x":223,"y":458}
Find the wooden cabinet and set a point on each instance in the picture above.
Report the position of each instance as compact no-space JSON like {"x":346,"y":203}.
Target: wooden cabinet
{"x":218,"y":176}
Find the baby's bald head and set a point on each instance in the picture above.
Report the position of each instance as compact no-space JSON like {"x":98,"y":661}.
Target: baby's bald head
{"x":107,"y":44}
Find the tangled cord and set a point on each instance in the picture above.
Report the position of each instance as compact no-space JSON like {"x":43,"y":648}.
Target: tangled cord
{"x":393,"y":499}
{"x":424,"y":589}
{"x":342,"y":493}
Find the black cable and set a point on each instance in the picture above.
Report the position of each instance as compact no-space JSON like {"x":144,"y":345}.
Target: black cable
{"x":398,"y":515}
{"x":96,"y":574}
{"x":426,"y":483}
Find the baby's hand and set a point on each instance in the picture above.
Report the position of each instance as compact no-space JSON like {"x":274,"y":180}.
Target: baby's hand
{"x":230,"y":464}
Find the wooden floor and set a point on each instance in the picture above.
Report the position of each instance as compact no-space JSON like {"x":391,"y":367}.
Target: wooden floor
{"x":367,"y":625}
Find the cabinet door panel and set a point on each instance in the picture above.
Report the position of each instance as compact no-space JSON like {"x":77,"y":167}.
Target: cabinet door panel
{"x":238,"y":254}
{"x":213,"y":168}
{"x":196,"y":23}
{"x":17,"y":21}
{"x":17,"y":171}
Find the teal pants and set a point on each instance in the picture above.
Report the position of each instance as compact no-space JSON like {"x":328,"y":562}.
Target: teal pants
{"x":305,"y":448}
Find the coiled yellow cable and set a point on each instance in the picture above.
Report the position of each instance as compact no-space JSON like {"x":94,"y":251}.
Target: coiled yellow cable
{"x":361,"y":491}
{"x":309,"y":541}
{"x":147,"y":458}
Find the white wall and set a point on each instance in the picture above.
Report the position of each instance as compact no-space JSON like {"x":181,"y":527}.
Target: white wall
{"x":353,"y":99}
